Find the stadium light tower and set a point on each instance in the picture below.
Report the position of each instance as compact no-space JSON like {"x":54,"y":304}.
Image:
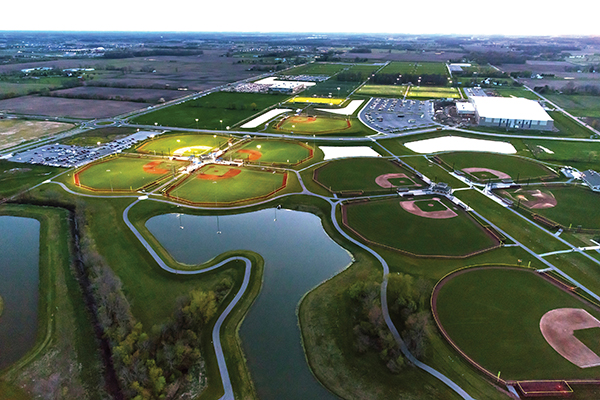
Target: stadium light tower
{"x":221,"y":121}
{"x":196,"y":123}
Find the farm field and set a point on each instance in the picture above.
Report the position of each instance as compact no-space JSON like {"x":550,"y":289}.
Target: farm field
{"x":218,"y":184}
{"x":569,"y":206}
{"x":231,"y":108}
{"x":109,"y":93}
{"x":365,"y":174}
{"x":22,"y":85}
{"x":382,"y":90}
{"x":421,"y":67}
{"x":124,"y":173}
{"x":271,"y":151}
{"x":485,"y":166}
{"x":454,"y":233}
{"x":13,"y":132}
{"x":493,"y":315}
{"x":317,"y":69}
{"x":181,"y":144}
{"x":430,"y":92}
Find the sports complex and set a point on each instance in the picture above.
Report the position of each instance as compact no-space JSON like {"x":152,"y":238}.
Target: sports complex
{"x":443,"y":262}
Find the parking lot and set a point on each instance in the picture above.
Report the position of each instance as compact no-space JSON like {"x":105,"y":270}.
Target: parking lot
{"x":60,"y":155}
{"x":397,"y":115}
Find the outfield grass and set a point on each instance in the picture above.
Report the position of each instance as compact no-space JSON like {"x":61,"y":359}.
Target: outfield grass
{"x":167,"y":144}
{"x":355,"y":174}
{"x":431,"y":92}
{"x":125,"y":173}
{"x":493,"y":315}
{"x":228,"y":107}
{"x":423,"y":67}
{"x":272,"y":151}
{"x":248,"y":184}
{"x":383,"y":90}
{"x":399,"y":229}
{"x":320,"y":125}
{"x":516,"y":167}
{"x":576,"y":206}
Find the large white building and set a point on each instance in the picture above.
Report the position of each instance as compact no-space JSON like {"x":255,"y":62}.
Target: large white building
{"x":511,"y":112}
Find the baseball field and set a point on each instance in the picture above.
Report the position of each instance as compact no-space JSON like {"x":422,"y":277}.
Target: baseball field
{"x":513,"y":322}
{"x":314,"y":125}
{"x":181,"y":144}
{"x":271,"y":151}
{"x":426,"y":226}
{"x":222,"y":185}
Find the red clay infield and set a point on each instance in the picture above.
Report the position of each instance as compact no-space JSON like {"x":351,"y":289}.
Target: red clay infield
{"x":252,"y":154}
{"x":231,"y":172}
{"x":151,"y":168}
{"x":412,"y":208}
{"x":558,"y":326}
{"x":500,"y":175}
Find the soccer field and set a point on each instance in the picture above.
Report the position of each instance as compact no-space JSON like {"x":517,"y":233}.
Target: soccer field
{"x":383,"y":90}
{"x":430,"y":92}
{"x":317,"y":100}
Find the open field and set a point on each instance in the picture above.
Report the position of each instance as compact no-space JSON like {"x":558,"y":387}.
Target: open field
{"x":517,"y":91}
{"x":13,"y":132}
{"x":76,"y":108}
{"x":23,"y":85}
{"x":329,"y":88}
{"x":382,"y":90}
{"x":317,"y":69}
{"x":405,"y":67}
{"x":124,"y":173}
{"x":493,"y":315}
{"x":181,"y":144}
{"x":568,"y":127}
{"x":517,"y":168}
{"x":397,"y":228}
{"x":317,"y":125}
{"x":361,"y":174}
{"x":575,"y":206}
{"x":102,"y":135}
{"x":15,"y":177}
{"x":218,"y":184}
{"x":109,"y":93}
{"x":229,"y":107}
{"x":578,"y":105}
{"x":565,"y":152}
{"x":427,"y":92}
{"x":271,"y":151}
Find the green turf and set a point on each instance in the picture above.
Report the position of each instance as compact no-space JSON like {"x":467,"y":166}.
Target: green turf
{"x":272,"y":151}
{"x":408,"y":67}
{"x":321,"y":125}
{"x":568,"y":127}
{"x":590,"y":337}
{"x":431,"y":92}
{"x":402,"y":230}
{"x":359,"y":174}
{"x":518,"y":91}
{"x":250,"y":183}
{"x":167,"y":144}
{"x":516,"y":167}
{"x":16,"y":177}
{"x":575,"y":206}
{"x":564,"y":151}
{"x":382,"y":90}
{"x":229,"y":107}
{"x":578,"y":105}
{"x":493,"y":315}
{"x":125,"y":173}
{"x":429,"y":205}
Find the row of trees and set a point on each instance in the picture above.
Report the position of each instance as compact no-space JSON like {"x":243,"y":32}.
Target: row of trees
{"x":118,"y":54}
{"x":149,"y":365}
{"x":95,"y":96}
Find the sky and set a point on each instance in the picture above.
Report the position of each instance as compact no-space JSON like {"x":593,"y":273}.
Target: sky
{"x":482,"y":17}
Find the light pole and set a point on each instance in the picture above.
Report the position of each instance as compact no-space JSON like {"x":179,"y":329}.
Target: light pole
{"x":110,"y":180}
{"x":196,"y":123}
{"x":221,"y":121}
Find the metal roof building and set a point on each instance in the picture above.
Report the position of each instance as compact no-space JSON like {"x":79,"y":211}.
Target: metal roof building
{"x":592,"y":179}
{"x":511,"y":112}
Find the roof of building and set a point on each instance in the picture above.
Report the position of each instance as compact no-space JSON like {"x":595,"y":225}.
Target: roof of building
{"x":464,"y":106}
{"x":516,"y":108}
{"x":591,"y":177}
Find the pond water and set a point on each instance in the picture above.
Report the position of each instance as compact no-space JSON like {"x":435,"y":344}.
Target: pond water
{"x":19,"y":286}
{"x":298,"y":255}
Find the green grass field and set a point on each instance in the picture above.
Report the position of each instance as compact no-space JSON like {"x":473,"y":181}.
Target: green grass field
{"x":354,"y":174}
{"x":317,"y":69}
{"x":15,"y":177}
{"x":493,"y":315}
{"x":330,"y":88}
{"x":430,"y":92}
{"x":516,"y":167}
{"x":126,"y":173}
{"x":516,"y":91}
{"x":575,"y":206}
{"x":187,"y":144}
{"x":402,"y":230}
{"x":231,"y":108}
{"x":578,"y":105}
{"x":566,"y":152}
{"x":271,"y":151}
{"x":316,"y":100}
{"x":314,"y":126}
{"x":406,"y":67}
{"x":382,"y":90}
{"x":246,"y":185}
{"x":568,"y":127}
